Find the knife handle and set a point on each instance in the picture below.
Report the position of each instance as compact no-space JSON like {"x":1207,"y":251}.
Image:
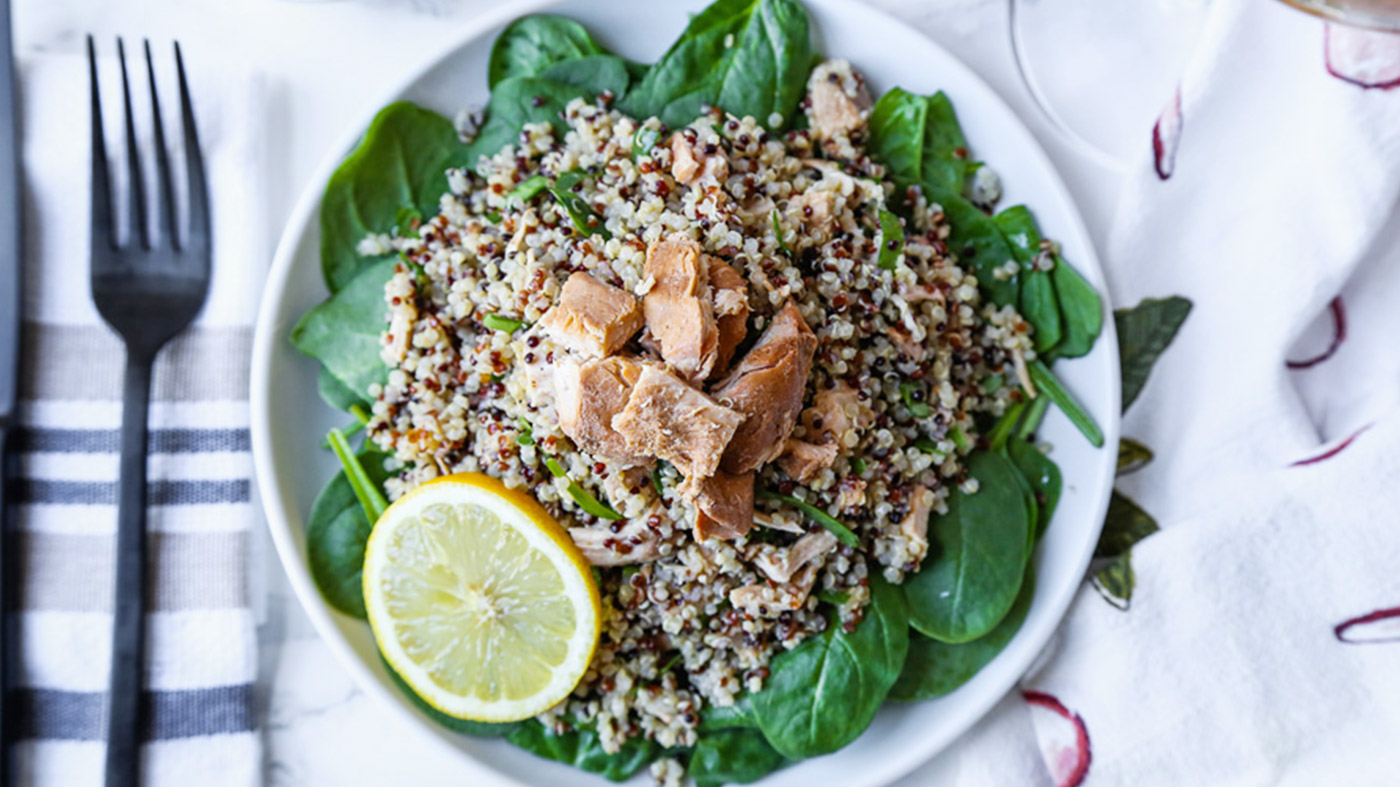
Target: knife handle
{"x":9,"y":598}
{"x":126,"y":719}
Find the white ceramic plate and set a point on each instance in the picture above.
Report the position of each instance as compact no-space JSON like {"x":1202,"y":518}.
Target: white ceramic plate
{"x":289,"y":419}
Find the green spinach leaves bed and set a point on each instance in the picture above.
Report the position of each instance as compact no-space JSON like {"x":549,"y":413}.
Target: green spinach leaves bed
{"x":749,"y":57}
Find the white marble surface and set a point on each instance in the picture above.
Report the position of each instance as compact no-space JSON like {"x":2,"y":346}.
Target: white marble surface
{"x":326,"y":64}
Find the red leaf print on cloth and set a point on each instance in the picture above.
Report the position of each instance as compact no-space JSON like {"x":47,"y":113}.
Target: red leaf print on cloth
{"x":1339,"y":335}
{"x":1331,"y":452}
{"x":1166,"y":135}
{"x":1366,"y":58}
{"x":1383,"y":625}
{"x":1064,"y":738}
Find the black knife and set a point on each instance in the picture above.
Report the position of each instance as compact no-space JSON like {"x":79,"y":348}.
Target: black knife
{"x":11,"y":263}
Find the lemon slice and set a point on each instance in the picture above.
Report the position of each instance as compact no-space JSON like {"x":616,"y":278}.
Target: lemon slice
{"x":479,"y":600}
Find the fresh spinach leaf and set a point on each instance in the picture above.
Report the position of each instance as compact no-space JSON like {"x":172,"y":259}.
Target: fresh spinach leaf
{"x":398,"y":168}
{"x":824,"y":693}
{"x":747,"y":57}
{"x":541,"y":99}
{"x":1042,"y":474}
{"x":337,"y":394}
{"x":478,"y":729}
{"x":1038,"y":300}
{"x":732,"y":756}
{"x":336,"y":532}
{"x":1132,"y":456}
{"x":343,"y":331}
{"x":891,"y":240}
{"x":736,"y":716}
{"x":977,"y":557}
{"x":1051,"y":388}
{"x":1144,"y":331}
{"x":980,"y":246}
{"x":1116,"y":581}
{"x":1125,"y":525}
{"x":581,"y":748}
{"x":531,"y":44}
{"x":935,"y":668}
{"x":919,"y":141}
{"x":1081,"y":311}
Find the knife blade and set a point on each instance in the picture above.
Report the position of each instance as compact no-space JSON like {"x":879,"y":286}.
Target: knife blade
{"x":11,"y":299}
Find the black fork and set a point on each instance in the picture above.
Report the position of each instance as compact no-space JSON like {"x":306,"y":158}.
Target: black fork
{"x":148,"y":290}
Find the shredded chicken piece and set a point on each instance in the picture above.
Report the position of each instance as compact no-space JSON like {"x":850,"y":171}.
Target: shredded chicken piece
{"x":588,"y":395}
{"x":667,"y":418}
{"x":767,"y":600}
{"x":803,"y":460}
{"x":766,"y":387}
{"x":915,"y":524}
{"x":724,"y":505}
{"x":636,"y":542}
{"x":834,"y":412}
{"x":688,"y":164}
{"x":731,"y":307}
{"x":780,"y":564}
{"x":904,"y":341}
{"x":839,"y":99}
{"x":591,"y":318}
{"x":678,"y":307}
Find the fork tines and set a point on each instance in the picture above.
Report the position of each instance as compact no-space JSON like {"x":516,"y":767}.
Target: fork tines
{"x":139,"y":204}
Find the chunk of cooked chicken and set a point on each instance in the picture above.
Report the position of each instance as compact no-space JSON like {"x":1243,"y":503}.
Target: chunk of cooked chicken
{"x":781,"y":563}
{"x":688,"y":163}
{"x":667,"y":418}
{"x":767,"y":387}
{"x":834,"y":412}
{"x":767,"y":600}
{"x":592,"y":318}
{"x":914,"y":526}
{"x":724,"y":505}
{"x":803,"y":460}
{"x":903,"y":340}
{"x":731,"y":306}
{"x":588,"y":395}
{"x":838,"y":100}
{"x":679,"y":313}
{"x":636,"y":542}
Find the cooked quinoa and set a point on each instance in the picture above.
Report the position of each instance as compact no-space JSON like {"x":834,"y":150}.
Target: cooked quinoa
{"x":904,"y":359}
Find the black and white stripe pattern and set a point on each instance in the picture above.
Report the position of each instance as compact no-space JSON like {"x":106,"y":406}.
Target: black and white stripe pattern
{"x":202,"y":651}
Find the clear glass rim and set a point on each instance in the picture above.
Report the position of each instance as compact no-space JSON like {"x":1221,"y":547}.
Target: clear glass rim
{"x":1354,"y":18}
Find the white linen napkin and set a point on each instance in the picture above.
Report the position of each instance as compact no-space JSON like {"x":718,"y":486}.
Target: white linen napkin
{"x":201,"y":647}
{"x":1262,"y":641}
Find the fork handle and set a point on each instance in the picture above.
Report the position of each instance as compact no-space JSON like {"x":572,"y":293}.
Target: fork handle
{"x":126,"y":721}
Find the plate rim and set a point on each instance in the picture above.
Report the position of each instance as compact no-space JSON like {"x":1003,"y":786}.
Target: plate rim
{"x":268,"y":332}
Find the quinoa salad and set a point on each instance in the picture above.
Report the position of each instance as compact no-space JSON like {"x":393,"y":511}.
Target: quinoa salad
{"x":751,"y":365}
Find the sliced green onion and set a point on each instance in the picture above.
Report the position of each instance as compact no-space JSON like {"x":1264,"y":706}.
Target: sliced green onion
{"x":580,"y":212}
{"x":504,"y":324}
{"x":586,"y":501}
{"x":778,"y":231}
{"x":1002,"y":430}
{"x":917,"y":409}
{"x":926,"y":445}
{"x":1055,"y":391}
{"x":371,"y":499}
{"x":643,"y":140}
{"x":891,"y":240}
{"x":858,"y":465}
{"x":527,"y":189}
{"x":959,"y":439}
{"x":656,"y":480}
{"x":420,"y":277}
{"x":842,"y":533}
{"x":492,"y":216}
{"x":833,"y":597}
{"x":992,"y":383}
{"x":673,"y":662}
{"x":1035,"y":413}
{"x":361,"y":419}
{"x":527,"y":433}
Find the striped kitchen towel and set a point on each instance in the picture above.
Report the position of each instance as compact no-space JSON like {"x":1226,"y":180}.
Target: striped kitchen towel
{"x":202,"y":654}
